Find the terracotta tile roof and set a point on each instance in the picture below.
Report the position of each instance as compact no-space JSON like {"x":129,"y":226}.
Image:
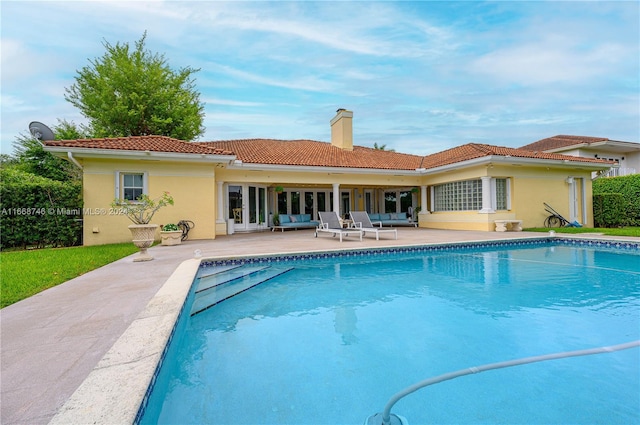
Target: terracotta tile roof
{"x":139,"y":143}
{"x":561,"y":141}
{"x":314,"y":153}
{"x":475,"y":150}
{"x":309,"y":152}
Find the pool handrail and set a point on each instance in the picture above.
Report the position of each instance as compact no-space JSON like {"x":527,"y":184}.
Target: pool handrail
{"x":386,"y":415}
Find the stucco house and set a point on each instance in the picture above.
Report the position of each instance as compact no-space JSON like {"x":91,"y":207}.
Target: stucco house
{"x":625,"y":154}
{"x":226,"y":186}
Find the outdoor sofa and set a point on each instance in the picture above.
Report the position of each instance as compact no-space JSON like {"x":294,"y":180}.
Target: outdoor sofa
{"x":392,"y":219}
{"x":295,"y":221}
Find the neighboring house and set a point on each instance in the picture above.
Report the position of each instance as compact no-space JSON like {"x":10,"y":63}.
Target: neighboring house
{"x":467,"y":187}
{"x":625,"y":154}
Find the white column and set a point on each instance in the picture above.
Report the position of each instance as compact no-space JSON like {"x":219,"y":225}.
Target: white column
{"x":336,"y":198}
{"x":424,"y":208}
{"x":220,"y":214}
{"x":573,"y":199}
{"x":583,"y":196}
{"x":432,"y":207}
{"x":486,"y":196}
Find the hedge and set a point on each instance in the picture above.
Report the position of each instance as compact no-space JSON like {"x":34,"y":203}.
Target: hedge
{"x":626,"y":209}
{"x":606,"y":209}
{"x":39,"y":212}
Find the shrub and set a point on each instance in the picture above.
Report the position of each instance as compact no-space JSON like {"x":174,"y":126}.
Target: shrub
{"x":606,"y":209}
{"x":39,"y":212}
{"x":629,"y":188}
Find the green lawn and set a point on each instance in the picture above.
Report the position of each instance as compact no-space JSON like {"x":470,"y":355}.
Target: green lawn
{"x":25,"y":273}
{"x":624,"y":231}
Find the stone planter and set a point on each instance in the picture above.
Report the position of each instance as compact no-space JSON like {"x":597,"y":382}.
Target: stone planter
{"x":143,"y":237}
{"x":171,"y":238}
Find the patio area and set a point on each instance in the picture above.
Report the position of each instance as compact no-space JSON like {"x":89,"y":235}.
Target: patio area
{"x":51,"y":342}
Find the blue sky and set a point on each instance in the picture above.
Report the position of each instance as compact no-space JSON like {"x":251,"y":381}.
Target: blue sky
{"x":420,"y":77}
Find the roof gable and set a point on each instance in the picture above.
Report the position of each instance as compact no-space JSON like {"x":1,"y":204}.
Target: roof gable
{"x":561,"y":141}
{"x":475,"y":150}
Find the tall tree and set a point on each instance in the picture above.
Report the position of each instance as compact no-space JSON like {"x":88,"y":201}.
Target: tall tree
{"x":134,"y":92}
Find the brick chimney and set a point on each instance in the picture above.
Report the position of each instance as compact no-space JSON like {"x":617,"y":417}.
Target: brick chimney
{"x":342,"y":130}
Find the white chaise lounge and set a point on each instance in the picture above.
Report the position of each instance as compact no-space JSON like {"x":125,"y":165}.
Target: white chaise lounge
{"x":330,"y":223}
{"x":360,"y":220}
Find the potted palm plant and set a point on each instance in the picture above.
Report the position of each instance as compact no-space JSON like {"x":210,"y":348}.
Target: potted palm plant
{"x":140,"y":212}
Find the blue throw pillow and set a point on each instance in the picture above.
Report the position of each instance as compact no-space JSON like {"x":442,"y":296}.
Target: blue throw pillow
{"x":284,"y":219}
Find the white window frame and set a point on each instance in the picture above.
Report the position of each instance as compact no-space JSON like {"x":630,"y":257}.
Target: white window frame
{"x":507,"y":193}
{"x":119,"y":183}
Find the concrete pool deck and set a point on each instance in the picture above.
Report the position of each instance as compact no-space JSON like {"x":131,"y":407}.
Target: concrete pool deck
{"x":52,"y":342}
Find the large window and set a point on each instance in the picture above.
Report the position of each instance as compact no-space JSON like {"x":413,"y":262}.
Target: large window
{"x":345,"y":204}
{"x":467,"y":195}
{"x":397,"y":201}
{"x":282,"y":203}
{"x":406,"y":200}
{"x":390,"y":202}
{"x":308,"y":203}
{"x":463,"y":195}
{"x":368,"y":201}
{"x":322,"y":201}
{"x":295,"y":202}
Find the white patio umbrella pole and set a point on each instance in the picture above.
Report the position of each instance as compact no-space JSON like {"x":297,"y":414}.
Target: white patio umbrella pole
{"x":386,"y":418}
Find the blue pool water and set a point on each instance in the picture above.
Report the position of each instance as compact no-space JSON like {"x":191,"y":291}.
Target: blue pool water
{"x":330,"y":340}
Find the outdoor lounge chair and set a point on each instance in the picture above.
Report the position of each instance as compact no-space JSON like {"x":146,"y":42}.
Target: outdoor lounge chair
{"x":360,"y":220}
{"x":330,"y":223}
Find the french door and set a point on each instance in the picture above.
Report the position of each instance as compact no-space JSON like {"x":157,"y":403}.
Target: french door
{"x":247,"y":206}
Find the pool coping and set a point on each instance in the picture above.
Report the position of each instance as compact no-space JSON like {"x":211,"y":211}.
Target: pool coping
{"x":117,"y":389}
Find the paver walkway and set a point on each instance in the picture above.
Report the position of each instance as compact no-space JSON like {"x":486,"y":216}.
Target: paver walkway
{"x":51,"y":341}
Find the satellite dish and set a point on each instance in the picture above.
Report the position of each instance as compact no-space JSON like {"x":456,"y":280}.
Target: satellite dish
{"x":41,"y":131}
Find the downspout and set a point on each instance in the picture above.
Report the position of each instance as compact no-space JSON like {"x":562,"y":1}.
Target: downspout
{"x":72,"y":159}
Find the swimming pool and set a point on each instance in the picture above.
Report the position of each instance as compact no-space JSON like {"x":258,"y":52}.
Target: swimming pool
{"x":331,"y":337}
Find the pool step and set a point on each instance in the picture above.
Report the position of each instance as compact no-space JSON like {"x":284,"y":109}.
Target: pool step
{"x":218,"y":287}
{"x":218,"y":270}
{"x":220,"y":277}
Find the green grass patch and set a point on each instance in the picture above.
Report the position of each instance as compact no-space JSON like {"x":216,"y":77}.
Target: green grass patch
{"x":623,"y":231}
{"x":26,"y":273}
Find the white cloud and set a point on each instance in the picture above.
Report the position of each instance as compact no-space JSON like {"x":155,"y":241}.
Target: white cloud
{"x":229,"y":102}
{"x":15,"y":104}
{"x":550,"y":61}
{"x":308,"y":82}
